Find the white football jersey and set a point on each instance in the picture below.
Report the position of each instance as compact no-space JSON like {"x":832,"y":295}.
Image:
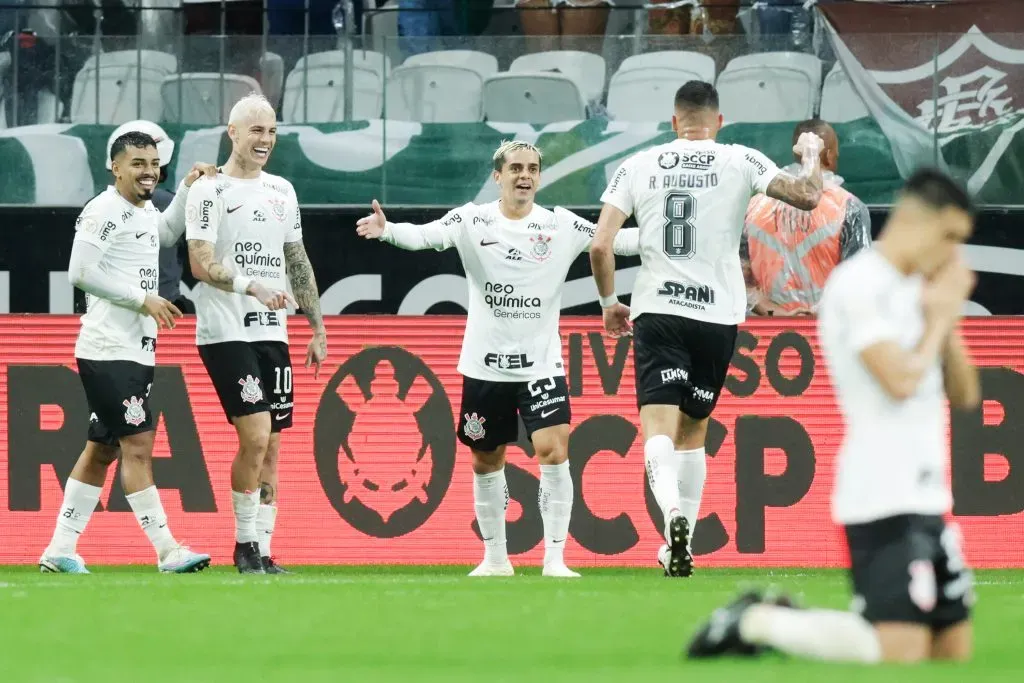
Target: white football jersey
{"x":249,"y":221}
{"x":129,"y":237}
{"x":894,"y":453}
{"x":690,"y":198}
{"x":515,"y":270}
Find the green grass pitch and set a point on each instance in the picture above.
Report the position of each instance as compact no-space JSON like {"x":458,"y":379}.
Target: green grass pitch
{"x":418,"y":624}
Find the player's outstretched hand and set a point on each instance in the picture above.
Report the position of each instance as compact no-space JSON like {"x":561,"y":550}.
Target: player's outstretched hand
{"x":161,"y":310}
{"x":316,"y":352}
{"x":616,"y":321}
{"x":200,"y":169}
{"x":274,"y":299}
{"x":372,"y":227}
{"x":808,"y":145}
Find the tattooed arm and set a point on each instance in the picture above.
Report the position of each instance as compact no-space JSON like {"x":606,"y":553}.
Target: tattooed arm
{"x":802,"y":191}
{"x":307,"y":297}
{"x":206,"y":267}
{"x":300,"y":274}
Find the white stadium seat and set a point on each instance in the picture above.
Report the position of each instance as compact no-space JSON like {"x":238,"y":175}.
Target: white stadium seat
{"x":539,"y":98}
{"x":204,"y":98}
{"x":324,"y":99}
{"x":129,"y":83}
{"x":272,"y":75}
{"x":839,"y":101}
{"x":481,"y":62}
{"x":770,"y":87}
{"x":434,"y":93}
{"x":586,"y":69}
{"x":644,"y":87}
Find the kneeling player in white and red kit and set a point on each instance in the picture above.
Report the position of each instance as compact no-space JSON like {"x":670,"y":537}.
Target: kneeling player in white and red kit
{"x":516,"y":255}
{"x":115,"y":260}
{"x":888,"y":329}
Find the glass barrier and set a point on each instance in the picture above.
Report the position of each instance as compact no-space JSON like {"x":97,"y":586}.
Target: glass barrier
{"x":414,"y":119}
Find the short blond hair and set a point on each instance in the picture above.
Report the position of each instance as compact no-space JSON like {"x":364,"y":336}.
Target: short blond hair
{"x":508,"y":146}
{"x":250,"y":107}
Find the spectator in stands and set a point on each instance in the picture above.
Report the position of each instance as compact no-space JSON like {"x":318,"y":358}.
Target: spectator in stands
{"x":420,"y":22}
{"x":787,"y":254}
{"x":546,"y":20}
{"x":172,"y":259}
{"x":715,"y":16}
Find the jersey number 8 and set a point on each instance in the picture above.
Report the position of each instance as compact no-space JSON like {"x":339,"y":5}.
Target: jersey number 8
{"x":680,"y":232}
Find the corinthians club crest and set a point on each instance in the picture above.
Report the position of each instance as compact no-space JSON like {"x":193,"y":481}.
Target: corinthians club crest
{"x":384,"y":443}
{"x":541,"y":249}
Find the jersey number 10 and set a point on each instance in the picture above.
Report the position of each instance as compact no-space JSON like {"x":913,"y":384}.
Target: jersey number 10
{"x":680,"y":232}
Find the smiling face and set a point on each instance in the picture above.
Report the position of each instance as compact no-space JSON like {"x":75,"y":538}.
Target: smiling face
{"x":253,"y":139}
{"x":519,"y":177}
{"x":136,"y":171}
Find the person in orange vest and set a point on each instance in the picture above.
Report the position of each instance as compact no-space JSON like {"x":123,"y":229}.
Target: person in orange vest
{"x":787,"y":254}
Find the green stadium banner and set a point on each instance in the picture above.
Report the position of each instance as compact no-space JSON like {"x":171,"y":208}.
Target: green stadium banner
{"x":399,"y":162}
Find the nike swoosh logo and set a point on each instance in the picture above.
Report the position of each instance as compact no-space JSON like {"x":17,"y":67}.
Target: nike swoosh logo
{"x":548,"y":412}
{"x":486,"y":244}
{"x":554,"y":542}
{"x":235,"y":208}
{"x":139,"y":235}
{"x":281,"y":417}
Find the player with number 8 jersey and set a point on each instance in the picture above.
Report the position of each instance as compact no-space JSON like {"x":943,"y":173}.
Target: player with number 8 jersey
{"x":689,"y":197}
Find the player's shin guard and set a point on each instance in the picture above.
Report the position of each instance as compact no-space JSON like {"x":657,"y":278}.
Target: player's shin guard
{"x":149,"y":512}
{"x":693,"y":470}
{"x":79,"y":503}
{"x":662,"y":471}
{"x":827,"y":635}
{"x":490,"y":498}
{"x":265,"y":520}
{"x":246,"y":506}
{"x":555,"y":500}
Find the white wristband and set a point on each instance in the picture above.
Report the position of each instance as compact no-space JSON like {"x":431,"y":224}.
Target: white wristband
{"x":240,"y":284}
{"x":608,"y":301}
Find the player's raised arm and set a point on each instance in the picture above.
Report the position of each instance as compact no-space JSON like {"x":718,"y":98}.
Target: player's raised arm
{"x":803,"y":190}
{"x":898,"y":370}
{"x":626,"y":242}
{"x":960,"y":376}
{"x":172,"y":221}
{"x":440,"y":234}
{"x":307,"y":295}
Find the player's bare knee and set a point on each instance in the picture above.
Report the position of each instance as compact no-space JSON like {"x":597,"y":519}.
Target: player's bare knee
{"x":551,"y":444}
{"x":485,"y":462}
{"x":692,"y":432}
{"x":253,"y":437}
{"x":99,"y":455}
{"x":903,"y":643}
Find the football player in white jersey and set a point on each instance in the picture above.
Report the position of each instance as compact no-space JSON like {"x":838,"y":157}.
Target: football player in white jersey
{"x":244,"y":235}
{"x":115,"y":261}
{"x":689,"y":197}
{"x":516,"y":255}
{"x":888,"y":330}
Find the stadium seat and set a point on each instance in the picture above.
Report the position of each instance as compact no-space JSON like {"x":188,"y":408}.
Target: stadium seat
{"x":204,"y":98}
{"x":541,"y":97}
{"x":644,"y":87}
{"x":335,"y":59}
{"x":272,"y":67}
{"x":770,"y":87}
{"x":586,"y":69}
{"x":839,"y":101}
{"x":324,"y":100}
{"x":434,"y":93}
{"x":481,"y":62}
{"x":5,"y":64}
{"x":115,"y":87}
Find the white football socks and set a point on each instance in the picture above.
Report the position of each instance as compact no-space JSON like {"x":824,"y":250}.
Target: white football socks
{"x":246,"y":506}
{"x":265,"y":520}
{"x":555,"y":501}
{"x":77,"y":507}
{"x":693,"y":470}
{"x":662,"y":473}
{"x":490,"y":498}
{"x":149,"y":511}
{"x":827,"y":635}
